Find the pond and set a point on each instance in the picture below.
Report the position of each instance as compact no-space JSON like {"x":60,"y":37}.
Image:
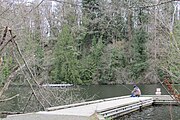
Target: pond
{"x":106,"y":91}
{"x":94,"y":92}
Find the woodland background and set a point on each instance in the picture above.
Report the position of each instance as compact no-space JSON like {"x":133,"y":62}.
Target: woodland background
{"x":92,"y":41}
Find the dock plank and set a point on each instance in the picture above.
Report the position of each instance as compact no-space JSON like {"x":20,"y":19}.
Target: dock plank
{"x":85,"y":111}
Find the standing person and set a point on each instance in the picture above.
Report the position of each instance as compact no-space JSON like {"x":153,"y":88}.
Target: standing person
{"x":136,"y":91}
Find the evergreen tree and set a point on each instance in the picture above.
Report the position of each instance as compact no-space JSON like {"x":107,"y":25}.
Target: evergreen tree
{"x":139,"y":61}
{"x":66,"y":63}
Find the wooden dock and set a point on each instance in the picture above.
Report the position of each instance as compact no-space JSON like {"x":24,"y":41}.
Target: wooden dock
{"x":163,"y":99}
{"x":95,"y":110}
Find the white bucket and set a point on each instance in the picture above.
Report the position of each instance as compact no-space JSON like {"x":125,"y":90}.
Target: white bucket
{"x":158,"y":91}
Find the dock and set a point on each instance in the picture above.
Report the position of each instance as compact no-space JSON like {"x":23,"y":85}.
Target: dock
{"x":96,"y":110}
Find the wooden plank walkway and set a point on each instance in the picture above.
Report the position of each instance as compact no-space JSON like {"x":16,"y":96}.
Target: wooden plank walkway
{"x":163,"y":99}
{"x":96,"y":110}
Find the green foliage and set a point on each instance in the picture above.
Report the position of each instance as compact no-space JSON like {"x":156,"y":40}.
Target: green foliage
{"x":170,"y":60}
{"x":91,"y":21}
{"x":87,"y":50}
{"x":84,"y":60}
{"x":161,"y":74}
{"x":96,"y":53}
{"x":70,"y":65}
{"x":6,"y":68}
{"x":97,"y":50}
{"x":118,"y":59}
{"x":176,"y":31}
{"x":92,"y":61}
{"x":172,"y":57}
{"x":110,"y":62}
{"x":139,"y":62}
{"x":139,"y":48}
{"x":67,"y":65}
{"x":109,"y":26}
{"x":115,"y":30}
{"x":39,"y":54}
{"x":143,"y":17}
{"x":92,"y":10}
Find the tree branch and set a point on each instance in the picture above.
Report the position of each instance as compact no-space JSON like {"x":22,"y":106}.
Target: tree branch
{"x":9,"y":98}
{"x":8,"y":80}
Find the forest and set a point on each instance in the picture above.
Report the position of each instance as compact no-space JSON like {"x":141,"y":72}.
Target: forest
{"x":87,"y":42}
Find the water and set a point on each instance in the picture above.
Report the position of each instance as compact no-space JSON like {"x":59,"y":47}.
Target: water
{"x":97,"y":92}
{"x":155,"y":113}
{"x":106,"y":91}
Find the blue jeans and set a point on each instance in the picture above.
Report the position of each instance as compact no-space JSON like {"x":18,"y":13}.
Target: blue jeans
{"x":132,"y":95}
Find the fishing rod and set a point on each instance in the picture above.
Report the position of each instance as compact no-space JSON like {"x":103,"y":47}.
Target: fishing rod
{"x":127,"y":87}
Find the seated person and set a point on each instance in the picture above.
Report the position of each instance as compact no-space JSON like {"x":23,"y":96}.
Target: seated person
{"x":136,"y":92}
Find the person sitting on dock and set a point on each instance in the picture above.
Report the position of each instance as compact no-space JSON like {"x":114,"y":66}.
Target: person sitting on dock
{"x":136,"y":91}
